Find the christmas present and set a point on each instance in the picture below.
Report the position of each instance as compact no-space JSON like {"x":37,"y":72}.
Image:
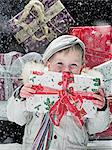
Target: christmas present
{"x":58,"y":93}
{"x":39,"y":23}
{"x":31,"y":57}
{"x":8,"y":80}
{"x":11,"y":65}
{"x":106,"y":70}
{"x":98,"y":41}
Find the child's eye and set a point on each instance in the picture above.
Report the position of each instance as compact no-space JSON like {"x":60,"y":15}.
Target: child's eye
{"x":59,"y":63}
{"x":59,"y":66}
{"x":73,"y":65}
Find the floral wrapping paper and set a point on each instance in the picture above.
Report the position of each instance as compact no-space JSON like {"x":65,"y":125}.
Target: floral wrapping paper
{"x":40,"y":103}
{"x":39,"y":23}
{"x":98,"y":41}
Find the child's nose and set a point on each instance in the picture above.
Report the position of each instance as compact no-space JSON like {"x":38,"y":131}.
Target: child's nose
{"x":66,"y":69}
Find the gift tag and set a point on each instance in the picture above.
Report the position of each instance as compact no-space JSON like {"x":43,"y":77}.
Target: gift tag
{"x":89,"y":108}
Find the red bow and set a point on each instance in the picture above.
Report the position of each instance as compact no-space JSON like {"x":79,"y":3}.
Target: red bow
{"x":66,"y":96}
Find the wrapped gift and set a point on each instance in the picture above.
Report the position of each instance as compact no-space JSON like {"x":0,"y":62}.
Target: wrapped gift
{"x":11,"y":65}
{"x":106,"y":70}
{"x":8,"y":80}
{"x":62,"y":92}
{"x":39,"y":23}
{"x":98,"y":41}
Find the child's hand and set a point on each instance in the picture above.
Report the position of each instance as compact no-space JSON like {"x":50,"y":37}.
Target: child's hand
{"x":26,"y":91}
{"x":99,"y":99}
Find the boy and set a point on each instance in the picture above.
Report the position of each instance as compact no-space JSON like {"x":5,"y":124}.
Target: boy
{"x":64,"y":54}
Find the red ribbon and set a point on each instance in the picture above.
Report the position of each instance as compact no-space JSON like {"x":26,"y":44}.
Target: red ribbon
{"x":67,"y":101}
{"x":63,"y":104}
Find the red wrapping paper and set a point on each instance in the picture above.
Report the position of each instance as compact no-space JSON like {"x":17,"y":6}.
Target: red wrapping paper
{"x":98,"y":41}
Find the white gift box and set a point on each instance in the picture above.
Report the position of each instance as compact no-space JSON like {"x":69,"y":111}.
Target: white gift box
{"x":106,"y":70}
{"x":40,"y":103}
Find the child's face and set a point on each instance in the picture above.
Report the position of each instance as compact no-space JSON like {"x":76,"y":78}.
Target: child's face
{"x":63,"y":61}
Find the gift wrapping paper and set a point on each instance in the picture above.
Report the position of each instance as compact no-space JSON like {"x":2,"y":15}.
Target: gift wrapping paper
{"x":106,"y":70}
{"x":52,"y":83}
{"x":11,"y":65}
{"x":9,"y":77}
{"x":98,"y":41}
{"x":39,"y":23}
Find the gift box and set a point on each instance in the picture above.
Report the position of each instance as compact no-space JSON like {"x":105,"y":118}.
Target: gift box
{"x":8,"y":80}
{"x":62,"y":92}
{"x":106,"y":70}
{"x":11,"y":65}
{"x":39,"y":23}
{"x":98,"y":41}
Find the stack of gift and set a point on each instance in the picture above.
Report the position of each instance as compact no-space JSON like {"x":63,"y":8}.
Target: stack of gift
{"x":98,"y":41}
{"x":39,"y":23}
{"x":60,"y":93}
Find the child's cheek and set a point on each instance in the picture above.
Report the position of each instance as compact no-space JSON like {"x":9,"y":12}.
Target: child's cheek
{"x":53,"y":68}
{"x":77,"y":71}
